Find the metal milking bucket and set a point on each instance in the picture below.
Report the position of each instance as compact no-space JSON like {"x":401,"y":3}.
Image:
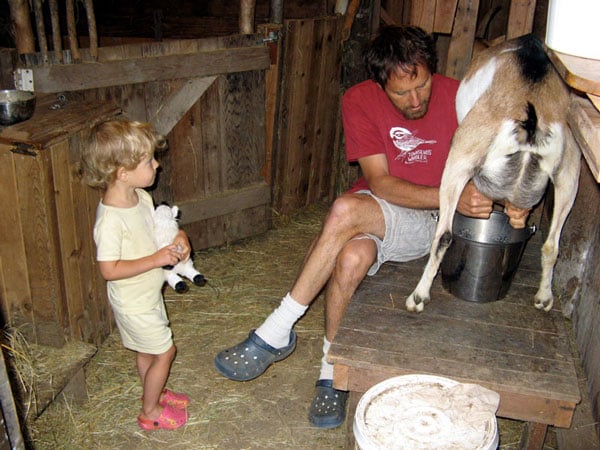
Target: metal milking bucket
{"x":484,"y":255}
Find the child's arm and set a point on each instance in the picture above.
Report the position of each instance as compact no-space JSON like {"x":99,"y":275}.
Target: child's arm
{"x":117,"y":270}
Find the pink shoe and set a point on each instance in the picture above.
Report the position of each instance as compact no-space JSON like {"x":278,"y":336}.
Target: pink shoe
{"x":170,"y":419}
{"x":174,"y":399}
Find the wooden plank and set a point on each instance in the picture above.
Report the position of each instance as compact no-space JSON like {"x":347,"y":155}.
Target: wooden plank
{"x":292,"y":155}
{"x":323,"y":119}
{"x":96,"y":299}
{"x":39,"y":224}
{"x":15,"y":293}
{"x":309,"y":94}
{"x":69,"y":239}
{"x":226,"y":202}
{"x":584,"y":121}
{"x":74,"y":77}
{"x":445,"y":10}
{"x":463,"y":35}
{"x":242,"y":133}
{"x":173,"y":108}
{"x":520,"y":18}
{"x":422,"y":14}
{"x":48,"y":126}
{"x":583,"y":74}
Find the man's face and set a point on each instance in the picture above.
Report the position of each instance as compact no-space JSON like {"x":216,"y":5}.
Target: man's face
{"x":410,"y":93}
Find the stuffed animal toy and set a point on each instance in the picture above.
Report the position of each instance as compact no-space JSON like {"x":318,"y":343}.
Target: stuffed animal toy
{"x":165,"y":230}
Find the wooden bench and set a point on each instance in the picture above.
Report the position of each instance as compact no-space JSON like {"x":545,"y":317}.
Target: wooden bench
{"x":507,"y":345}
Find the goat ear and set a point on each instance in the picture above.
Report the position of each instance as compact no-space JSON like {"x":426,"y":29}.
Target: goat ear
{"x":175,"y":210}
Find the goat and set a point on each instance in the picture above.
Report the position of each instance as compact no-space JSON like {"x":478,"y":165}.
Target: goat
{"x":511,"y":140}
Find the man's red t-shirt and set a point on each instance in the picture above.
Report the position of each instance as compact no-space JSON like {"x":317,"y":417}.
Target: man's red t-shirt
{"x":417,"y":149}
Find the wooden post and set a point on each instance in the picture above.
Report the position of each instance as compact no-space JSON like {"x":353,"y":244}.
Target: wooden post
{"x":91,"y":19}
{"x":75,"y":55}
{"x":276,"y":15}
{"x":247,"y":16}
{"x":19,"y":14}
{"x":56,"y":37}
{"x":41,"y":29}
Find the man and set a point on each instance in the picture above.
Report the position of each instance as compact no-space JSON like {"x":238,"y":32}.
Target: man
{"x":398,"y":126}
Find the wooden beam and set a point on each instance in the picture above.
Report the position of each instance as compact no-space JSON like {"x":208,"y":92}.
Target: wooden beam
{"x":225,"y":203}
{"x":75,"y":77}
{"x":174,"y":107}
{"x":19,"y":16}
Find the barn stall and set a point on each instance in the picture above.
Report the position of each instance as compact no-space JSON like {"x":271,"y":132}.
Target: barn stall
{"x":250,"y":107}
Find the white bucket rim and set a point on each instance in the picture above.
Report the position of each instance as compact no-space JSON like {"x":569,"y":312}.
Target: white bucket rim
{"x":491,"y":439}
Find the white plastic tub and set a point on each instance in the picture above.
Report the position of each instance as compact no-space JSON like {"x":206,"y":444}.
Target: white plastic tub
{"x":572,"y":27}
{"x":425,"y":412}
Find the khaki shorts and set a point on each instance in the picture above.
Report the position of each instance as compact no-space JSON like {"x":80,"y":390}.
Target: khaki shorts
{"x":147,"y":332}
{"x":408,"y":233}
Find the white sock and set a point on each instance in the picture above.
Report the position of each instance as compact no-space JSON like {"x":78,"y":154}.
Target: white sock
{"x":326,"y":368}
{"x":276,"y":329}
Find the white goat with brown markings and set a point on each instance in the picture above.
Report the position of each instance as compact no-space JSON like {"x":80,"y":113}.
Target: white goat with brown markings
{"x":511,"y":139}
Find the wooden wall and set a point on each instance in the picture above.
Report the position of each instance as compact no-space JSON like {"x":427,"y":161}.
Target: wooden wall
{"x":206,"y":96}
{"x":308,"y":120}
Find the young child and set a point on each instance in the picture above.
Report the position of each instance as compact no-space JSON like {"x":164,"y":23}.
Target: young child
{"x":119,"y":160}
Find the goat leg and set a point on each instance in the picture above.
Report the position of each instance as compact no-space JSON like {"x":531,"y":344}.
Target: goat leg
{"x":565,"y":189}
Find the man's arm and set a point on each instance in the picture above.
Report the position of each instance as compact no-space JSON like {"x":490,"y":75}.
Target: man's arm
{"x":472,"y":203}
{"x":395,"y":190}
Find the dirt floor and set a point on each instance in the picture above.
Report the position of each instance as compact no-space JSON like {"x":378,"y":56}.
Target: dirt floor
{"x":247,"y":280}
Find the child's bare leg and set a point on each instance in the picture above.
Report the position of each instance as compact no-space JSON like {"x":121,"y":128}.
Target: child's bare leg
{"x":154,"y":371}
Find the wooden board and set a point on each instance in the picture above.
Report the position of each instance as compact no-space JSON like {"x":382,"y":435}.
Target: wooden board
{"x":307,"y":113}
{"x":506,"y":345}
{"x":584,"y":121}
{"x":582,"y":74}
{"x":463,"y":35}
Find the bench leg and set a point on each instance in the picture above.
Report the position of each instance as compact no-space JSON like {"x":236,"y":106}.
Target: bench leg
{"x":534,"y":436}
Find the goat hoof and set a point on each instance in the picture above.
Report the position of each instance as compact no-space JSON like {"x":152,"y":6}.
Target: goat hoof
{"x":181,"y":287}
{"x":414,"y":303}
{"x":545,"y":304}
{"x":199,"y":280}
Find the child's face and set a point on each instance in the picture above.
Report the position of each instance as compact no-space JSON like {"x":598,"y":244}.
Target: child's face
{"x":144,"y":173}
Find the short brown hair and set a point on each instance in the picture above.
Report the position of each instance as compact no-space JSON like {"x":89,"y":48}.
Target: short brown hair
{"x":114,"y":144}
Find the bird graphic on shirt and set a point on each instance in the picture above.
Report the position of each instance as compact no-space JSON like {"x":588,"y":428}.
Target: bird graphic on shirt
{"x":405,"y":141}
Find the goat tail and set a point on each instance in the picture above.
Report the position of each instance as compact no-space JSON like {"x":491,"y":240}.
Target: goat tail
{"x":529,"y":125}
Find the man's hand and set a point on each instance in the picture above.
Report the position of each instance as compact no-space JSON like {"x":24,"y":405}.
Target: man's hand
{"x":473,"y":203}
{"x":517,"y":216}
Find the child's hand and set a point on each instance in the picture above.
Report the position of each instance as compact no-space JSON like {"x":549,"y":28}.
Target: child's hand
{"x":182,"y":244}
{"x":167,"y":256}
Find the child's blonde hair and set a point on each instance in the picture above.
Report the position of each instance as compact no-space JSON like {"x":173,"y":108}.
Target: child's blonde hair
{"x":114,"y":144}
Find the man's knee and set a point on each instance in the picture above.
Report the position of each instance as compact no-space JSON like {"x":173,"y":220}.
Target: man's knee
{"x":347,"y":210}
{"x":355,"y":259}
